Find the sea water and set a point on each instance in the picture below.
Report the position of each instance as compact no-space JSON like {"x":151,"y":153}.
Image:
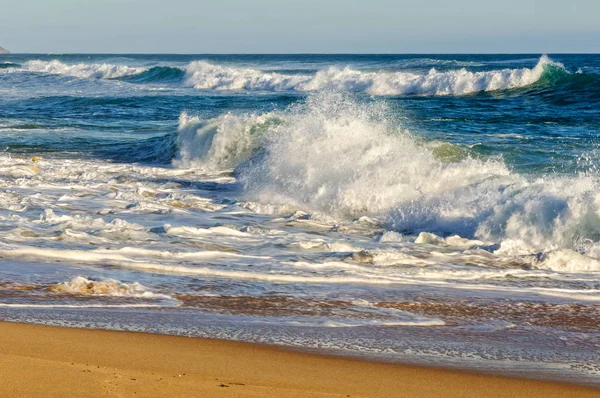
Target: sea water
{"x":435,"y":209}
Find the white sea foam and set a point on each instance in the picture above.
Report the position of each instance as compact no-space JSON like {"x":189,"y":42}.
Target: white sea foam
{"x":328,"y":272}
{"x":321,"y":245}
{"x":19,"y":170}
{"x":203,"y":75}
{"x":524,"y":215}
{"x":100,"y":256}
{"x":107,"y":287}
{"x":82,"y":70}
{"x":569,"y":261}
{"x":391,"y":236}
{"x":455,"y":240}
{"x":193,"y":231}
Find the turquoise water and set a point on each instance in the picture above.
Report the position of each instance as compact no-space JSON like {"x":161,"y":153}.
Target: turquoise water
{"x":416,"y":208}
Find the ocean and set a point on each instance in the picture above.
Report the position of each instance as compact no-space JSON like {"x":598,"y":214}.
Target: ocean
{"x":429,"y":209}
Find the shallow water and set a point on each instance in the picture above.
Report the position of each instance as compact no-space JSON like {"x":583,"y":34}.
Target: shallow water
{"x":423,"y":209}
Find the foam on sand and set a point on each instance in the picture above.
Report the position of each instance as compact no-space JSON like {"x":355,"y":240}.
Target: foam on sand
{"x":108,"y":287}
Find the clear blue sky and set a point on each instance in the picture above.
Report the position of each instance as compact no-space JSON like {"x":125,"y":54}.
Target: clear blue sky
{"x":284,"y":26}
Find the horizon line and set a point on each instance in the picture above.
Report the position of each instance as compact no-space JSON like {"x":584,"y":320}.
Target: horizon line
{"x":301,"y":53}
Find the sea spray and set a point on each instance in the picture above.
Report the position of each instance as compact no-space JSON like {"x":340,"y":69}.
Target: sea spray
{"x":349,"y":158}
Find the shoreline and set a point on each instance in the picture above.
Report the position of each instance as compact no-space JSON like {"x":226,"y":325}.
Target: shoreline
{"x":60,"y":361}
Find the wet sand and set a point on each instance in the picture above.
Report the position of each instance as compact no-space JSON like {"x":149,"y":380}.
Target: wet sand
{"x":58,"y":362}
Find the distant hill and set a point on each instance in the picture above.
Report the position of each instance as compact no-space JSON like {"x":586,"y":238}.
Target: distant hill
{"x":3,"y":51}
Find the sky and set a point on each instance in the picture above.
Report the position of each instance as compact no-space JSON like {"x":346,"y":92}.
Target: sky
{"x":294,"y":26}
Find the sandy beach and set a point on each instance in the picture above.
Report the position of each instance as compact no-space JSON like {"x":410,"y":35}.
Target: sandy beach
{"x":58,"y":362}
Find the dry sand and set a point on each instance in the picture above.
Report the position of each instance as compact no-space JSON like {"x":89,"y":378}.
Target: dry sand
{"x":62,"y":362}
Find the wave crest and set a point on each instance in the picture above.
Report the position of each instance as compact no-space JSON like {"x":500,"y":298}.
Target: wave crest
{"x":81,"y":70}
{"x":220,"y":143}
{"x":203,"y":75}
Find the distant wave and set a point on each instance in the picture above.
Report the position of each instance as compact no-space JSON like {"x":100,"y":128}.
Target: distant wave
{"x":81,"y":70}
{"x":203,"y":75}
{"x":7,"y":65}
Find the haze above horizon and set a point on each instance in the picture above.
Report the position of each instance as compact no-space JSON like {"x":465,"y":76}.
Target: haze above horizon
{"x":310,"y":26}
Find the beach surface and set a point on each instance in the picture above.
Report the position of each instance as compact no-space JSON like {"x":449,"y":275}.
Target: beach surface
{"x":56,"y":362}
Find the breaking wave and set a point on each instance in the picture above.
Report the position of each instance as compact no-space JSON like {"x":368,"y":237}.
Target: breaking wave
{"x":203,"y":75}
{"x":346,"y":158}
{"x":81,"y":70}
{"x":223,"y":142}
